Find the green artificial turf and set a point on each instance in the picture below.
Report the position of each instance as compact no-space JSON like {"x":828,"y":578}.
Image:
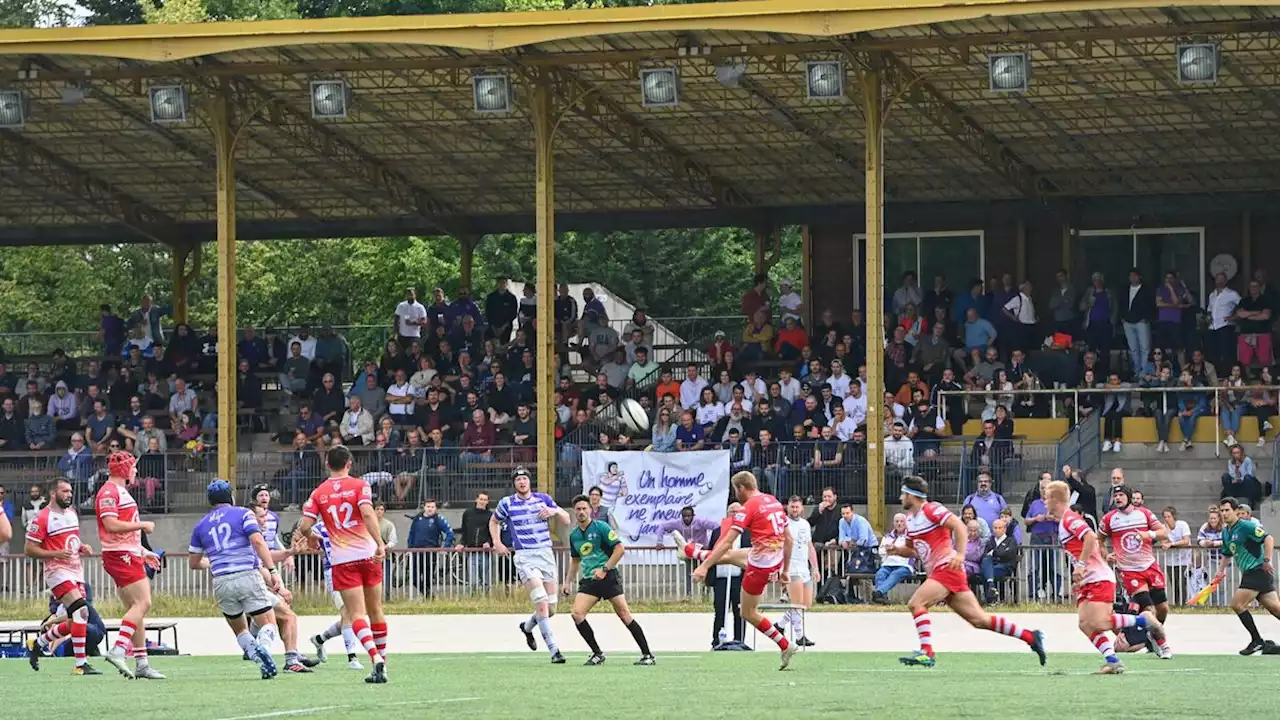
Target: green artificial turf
{"x":741,"y":686}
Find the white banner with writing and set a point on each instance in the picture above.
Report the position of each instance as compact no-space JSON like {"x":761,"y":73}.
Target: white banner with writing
{"x":644,"y":490}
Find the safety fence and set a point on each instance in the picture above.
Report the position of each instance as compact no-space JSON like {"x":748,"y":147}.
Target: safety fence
{"x":1041,"y":574}
{"x":405,"y":476}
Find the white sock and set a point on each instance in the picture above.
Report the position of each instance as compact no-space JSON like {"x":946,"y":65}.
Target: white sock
{"x":529,"y":624}
{"x":797,"y":623}
{"x":267,"y":635}
{"x":349,"y":639}
{"x":248,"y":645}
{"x":544,"y":624}
{"x":254,"y":628}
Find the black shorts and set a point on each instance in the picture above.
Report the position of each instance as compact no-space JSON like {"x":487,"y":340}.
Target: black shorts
{"x":1258,"y":580}
{"x":607,"y":588}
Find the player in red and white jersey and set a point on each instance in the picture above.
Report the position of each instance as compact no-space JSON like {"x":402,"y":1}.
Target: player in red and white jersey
{"x":346,"y":505}
{"x":1092,"y":579}
{"x":937,"y":540}
{"x":1132,"y":530}
{"x":54,"y":537}
{"x":125,"y":560}
{"x":768,"y":557}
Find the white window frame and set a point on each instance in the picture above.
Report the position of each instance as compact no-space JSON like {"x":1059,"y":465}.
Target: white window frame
{"x":1135,"y":233}
{"x":982,"y":258}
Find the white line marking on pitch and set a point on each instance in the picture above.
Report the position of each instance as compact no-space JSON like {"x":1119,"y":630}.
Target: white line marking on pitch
{"x":327,"y":708}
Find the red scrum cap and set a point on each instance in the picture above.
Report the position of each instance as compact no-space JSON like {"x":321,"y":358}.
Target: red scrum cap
{"x":121,"y":465}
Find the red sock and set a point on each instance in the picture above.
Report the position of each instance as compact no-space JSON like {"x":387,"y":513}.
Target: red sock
{"x":696,"y":552}
{"x":124,"y":640}
{"x":1103,"y":644}
{"x":924,"y":628}
{"x":78,"y":632}
{"x":379,"y":632}
{"x":772,"y":632}
{"x":1120,"y":622}
{"x":56,"y":632}
{"x":1006,"y":627}
{"x":360,"y":627}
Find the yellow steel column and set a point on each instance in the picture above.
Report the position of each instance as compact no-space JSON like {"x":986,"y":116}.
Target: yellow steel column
{"x":544,"y":132}
{"x":466,"y":260}
{"x":225,"y":143}
{"x":873,"y":111}
{"x":180,"y":287}
{"x":806,"y":274}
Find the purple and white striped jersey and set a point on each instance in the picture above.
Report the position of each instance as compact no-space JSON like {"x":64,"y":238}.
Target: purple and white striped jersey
{"x":321,"y":533}
{"x":223,"y":537}
{"x":528,"y":531}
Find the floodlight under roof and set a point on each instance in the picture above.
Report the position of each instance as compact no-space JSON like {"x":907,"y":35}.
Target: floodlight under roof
{"x":1009,"y":72}
{"x":168,"y":103}
{"x":1197,"y":63}
{"x":659,"y":87}
{"x":329,"y":98}
{"x":492,"y":93}
{"x":825,"y":79}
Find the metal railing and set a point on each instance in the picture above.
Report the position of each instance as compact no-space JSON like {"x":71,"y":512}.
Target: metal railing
{"x":1212,"y":406}
{"x":1041,"y":574}
{"x":1081,"y":447}
{"x":175,"y":481}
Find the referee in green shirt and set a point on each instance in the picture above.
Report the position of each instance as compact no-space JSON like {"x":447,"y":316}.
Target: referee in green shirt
{"x":1250,"y":547}
{"x":595,"y":547}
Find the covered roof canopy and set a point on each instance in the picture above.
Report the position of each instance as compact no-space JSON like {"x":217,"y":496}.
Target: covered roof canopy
{"x":1105,"y":114}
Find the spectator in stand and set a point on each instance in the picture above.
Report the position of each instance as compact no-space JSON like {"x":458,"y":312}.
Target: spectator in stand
{"x":642,"y":375}
{"x":1220,"y":344}
{"x":911,"y":384}
{"x":1043,"y":531}
{"x":428,"y":531}
{"x":12,"y":429}
{"x":1202,"y":371}
{"x":1232,"y":403}
{"x":566,"y":313}
{"x":399,"y":399}
{"x":907,"y":294}
{"x":1064,"y":305}
{"x":142,"y":437}
{"x":1115,"y":407}
{"x":1262,"y":405}
{"x":975,"y":299}
{"x":33,"y":376}
{"x":617,"y":369}
{"x":310,"y":425}
{"x":1139,"y":312}
{"x":723,"y":389}
{"x":62,"y":408}
{"x":708,"y":411}
{"x":896,"y":354}
{"x":932,"y":354}
{"x":357,"y":424}
{"x":789,"y":302}
{"x":183,"y":400}
{"x":296,"y":371}
{"x":1253,"y":317}
{"x":756,"y":297}
{"x":1172,"y":301}
{"x":691,"y":388}
{"x":40,"y":430}
{"x":8,"y":381}
{"x":939,"y":296}
{"x":912,"y":323}
{"x":76,"y":465}
{"x":464,"y":306}
{"x":641,"y":323}
{"x":478,"y":439}
{"x":101,"y":427}
{"x":1191,"y":405}
{"x":332,"y":355}
{"x":825,"y":522}
{"x":251,"y":348}
{"x":602,"y":340}
{"x":979,"y":335}
{"x":147,"y":317}
{"x":1101,"y":310}
{"x":501,"y":310}
{"x":792,"y":339}
{"x":757,"y":338}
{"x":895,"y":566}
{"x":664,"y":433}
{"x":328,"y":401}
{"x":989,"y":452}
{"x":111,"y":330}
{"x":467,"y":336}
{"x":689,"y":435}
{"x":1241,"y":478}
{"x":987,"y":503}
{"x":999,"y":559}
{"x":372,"y":397}
{"x":1020,"y":311}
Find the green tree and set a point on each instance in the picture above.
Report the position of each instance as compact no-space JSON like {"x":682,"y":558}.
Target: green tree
{"x":33,"y":13}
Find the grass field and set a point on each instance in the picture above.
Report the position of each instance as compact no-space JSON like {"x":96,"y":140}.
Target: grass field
{"x":741,"y":686}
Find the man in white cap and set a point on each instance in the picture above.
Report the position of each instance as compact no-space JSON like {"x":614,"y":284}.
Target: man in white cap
{"x":790,"y":302}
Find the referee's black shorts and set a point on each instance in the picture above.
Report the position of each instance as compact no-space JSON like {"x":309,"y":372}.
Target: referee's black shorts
{"x":1258,"y":580}
{"x":607,"y":588}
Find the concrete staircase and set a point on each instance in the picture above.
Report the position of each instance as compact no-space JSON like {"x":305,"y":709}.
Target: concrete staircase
{"x":1188,"y":480}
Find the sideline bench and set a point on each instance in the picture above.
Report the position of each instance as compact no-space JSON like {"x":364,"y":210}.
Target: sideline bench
{"x":20,"y":634}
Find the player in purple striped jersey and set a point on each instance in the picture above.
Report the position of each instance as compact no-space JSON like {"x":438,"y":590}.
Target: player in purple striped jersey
{"x":320,"y":537}
{"x":228,"y":541}
{"x":528,"y":515}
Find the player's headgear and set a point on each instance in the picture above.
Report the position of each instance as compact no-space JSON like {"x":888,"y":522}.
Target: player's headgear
{"x":121,"y":464}
{"x":915,"y":486}
{"x":520,"y":470}
{"x":259,"y":488}
{"x":1123,"y":490}
{"x":219,"y":492}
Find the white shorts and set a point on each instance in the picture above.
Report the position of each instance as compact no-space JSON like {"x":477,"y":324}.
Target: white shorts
{"x":243,"y":592}
{"x":538,"y":564}
{"x":328,"y":587}
{"x":805,"y":576}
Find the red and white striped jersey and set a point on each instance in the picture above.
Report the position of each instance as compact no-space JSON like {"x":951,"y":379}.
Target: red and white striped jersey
{"x":337,"y":502}
{"x":115,"y":501}
{"x":1128,"y":532}
{"x":1072,"y":530}
{"x":55,"y":530}
{"x":927,"y":530}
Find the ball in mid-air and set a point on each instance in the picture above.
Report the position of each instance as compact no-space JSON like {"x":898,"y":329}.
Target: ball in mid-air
{"x":633,"y":416}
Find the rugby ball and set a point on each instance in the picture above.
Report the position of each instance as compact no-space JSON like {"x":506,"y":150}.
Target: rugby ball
{"x":633,"y":416}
